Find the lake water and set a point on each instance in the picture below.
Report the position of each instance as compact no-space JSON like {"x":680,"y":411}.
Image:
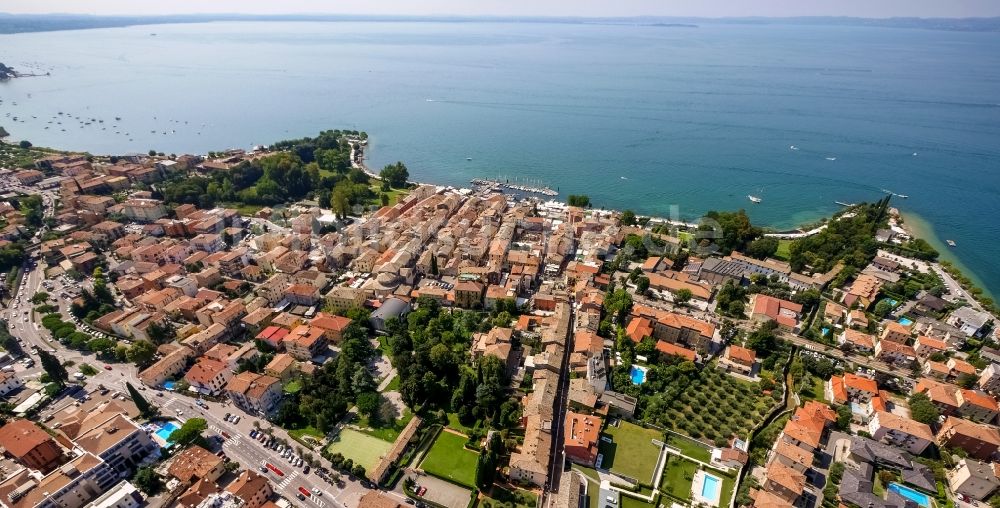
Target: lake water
{"x":637,"y":117}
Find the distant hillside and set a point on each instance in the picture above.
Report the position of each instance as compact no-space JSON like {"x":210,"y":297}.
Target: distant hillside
{"x":19,"y":23}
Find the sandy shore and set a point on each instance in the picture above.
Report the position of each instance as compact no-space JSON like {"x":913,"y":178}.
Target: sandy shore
{"x":918,"y":227}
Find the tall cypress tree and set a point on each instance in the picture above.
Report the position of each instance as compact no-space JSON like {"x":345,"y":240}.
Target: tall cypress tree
{"x":53,"y":367}
{"x":145,"y":408}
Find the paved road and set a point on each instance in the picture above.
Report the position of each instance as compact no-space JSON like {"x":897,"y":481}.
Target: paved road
{"x":838,"y":354}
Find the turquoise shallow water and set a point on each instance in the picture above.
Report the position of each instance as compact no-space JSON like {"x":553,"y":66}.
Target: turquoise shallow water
{"x":642,"y":117}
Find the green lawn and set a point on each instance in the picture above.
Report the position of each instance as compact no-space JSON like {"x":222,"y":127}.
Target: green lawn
{"x":386,"y":431}
{"x":359,"y":447}
{"x":689,"y":447}
{"x":299,"y":434}
{"x":292,"y":386}
{"x":499,"y":497}
{"x":448,"y":459}
{"x":393,"y":385}
{"x":245,"y":210}
{"x":677,"y":477}
{"x":454,"y":424}
{"x":783,"y":251}
{"x":631,"y":451}
{"x":728,"y":487}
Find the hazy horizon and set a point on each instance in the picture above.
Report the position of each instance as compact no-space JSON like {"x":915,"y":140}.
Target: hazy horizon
{"x":581,"y":8}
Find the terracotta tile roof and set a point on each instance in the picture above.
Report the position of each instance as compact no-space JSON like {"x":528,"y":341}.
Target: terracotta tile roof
{"x":864,"y":384}
{"x":984,"y":433}
{"x":638,"y":328}
{"x":330,"y":322}
{"x":193,"y":463}
{"x":19,"y":437}
{"x":905,"y":425}
{"x":787,"y":477}
{"x":784,"y":312}
{"x":979,"y":399}
{"x":673,"y":349}
{"x":742,"y":355}
{"x":205,"y":370}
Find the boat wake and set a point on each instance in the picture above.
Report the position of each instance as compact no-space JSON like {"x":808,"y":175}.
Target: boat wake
{"x":831,"y":158}
{"x":793,"y":147}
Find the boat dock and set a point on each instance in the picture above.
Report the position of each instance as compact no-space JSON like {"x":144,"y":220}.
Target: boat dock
{"x":545,"y":191}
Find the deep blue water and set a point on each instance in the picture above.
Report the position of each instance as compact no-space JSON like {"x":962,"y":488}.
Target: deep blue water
{"x":637,"y":117}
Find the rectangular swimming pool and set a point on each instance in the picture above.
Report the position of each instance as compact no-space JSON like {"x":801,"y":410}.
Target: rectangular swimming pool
{"x":905,"y":321}
{"x":166,"y":430}
{"x":917,"y":497}
{"x":710,"y":487}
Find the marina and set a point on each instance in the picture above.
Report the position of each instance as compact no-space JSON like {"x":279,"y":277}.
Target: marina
{"x":533,"y":189}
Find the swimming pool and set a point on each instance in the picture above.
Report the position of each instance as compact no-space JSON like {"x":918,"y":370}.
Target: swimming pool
{"x":825,"y":331}
{"x":917,"y":497}
{"x":638,"y":374}
{"x":905,"y":321}
{"x":169,"y":385}
{"x":166,"y":430}
{"x":710,"y":487}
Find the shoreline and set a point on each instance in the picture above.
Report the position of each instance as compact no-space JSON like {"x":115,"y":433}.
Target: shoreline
{"x":918,"y":227}
{"x":914,"y":224}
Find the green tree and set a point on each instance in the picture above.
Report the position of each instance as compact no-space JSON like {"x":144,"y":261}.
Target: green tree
{"x":141,"y":353}
{"x":396,"y":174}
{"x":53,"y":367}
{"x":24,"y":144}
{"x":369,"y":404}
{"x":628,"y":218}
{"x":190,"y":432}
{"x":147,"y":481}
{"x":922,"y":409}
{"x":683,"y":295}
{"x":966,"y":380}
{"x":580,"y":200}
{"x":39,"y":298}
{"x":763,"y":247}
{"x":843,"y":417}
{"x":882,"y":308}
{"x":145,"y":408}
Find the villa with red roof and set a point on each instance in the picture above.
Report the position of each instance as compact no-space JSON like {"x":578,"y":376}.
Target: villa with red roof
{"x":786,"y":314}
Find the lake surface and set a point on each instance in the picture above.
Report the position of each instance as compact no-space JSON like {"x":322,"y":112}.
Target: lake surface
{"x":635,"y":117}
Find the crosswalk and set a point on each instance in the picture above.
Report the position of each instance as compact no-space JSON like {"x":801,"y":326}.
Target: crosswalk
{"x":288,"y":479}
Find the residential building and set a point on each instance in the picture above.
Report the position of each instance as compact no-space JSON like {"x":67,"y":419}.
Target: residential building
{"x":252,"y":488}
{"x":856,"y":340}
{"x":786,"y":314}
{"x":972,"y":322}
{"x":989,"y":380}
{"x":581,"y":436}
{"x":905,"y":433}
{"x":29,"y":445}
{"x":976,"y":406}
{"x":979,"y":441}
{"x":304,"y":342}
{"x":740,"y":359}
{"x":116,"y":439}
{"x":333,"y":326}
{"x":973,"y":478}
{"x":254,"y":393}
{"x":196,"y":463}
{"x":9,"y":383}
{"x":895,"y":332}
{"x":208,"y":376}
{"x":73,"y":485}
{"x":166,"y":368}
{"x":895,"y":353}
